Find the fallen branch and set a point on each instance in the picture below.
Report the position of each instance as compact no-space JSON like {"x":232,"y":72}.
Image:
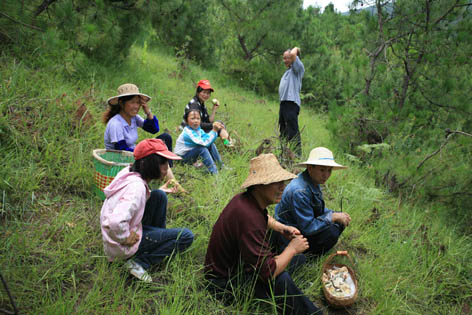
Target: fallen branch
{"x":12,"y":301}
{"x":43,"y":6}
{"x":449,"y":134}
{"x":19,"y":22}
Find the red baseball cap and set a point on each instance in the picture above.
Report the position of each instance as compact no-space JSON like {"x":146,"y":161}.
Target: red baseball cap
{"x":205,"y":84}
{"x":151,"y":146}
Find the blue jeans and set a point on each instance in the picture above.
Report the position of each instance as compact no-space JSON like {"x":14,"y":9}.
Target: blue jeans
{"x":324,"y":240}
{"x":210,"y":157}
{"x":157,"y":242}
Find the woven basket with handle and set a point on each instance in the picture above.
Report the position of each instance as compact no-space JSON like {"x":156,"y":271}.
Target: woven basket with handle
{"x":107,"y":164}
{"x":336,"y":301}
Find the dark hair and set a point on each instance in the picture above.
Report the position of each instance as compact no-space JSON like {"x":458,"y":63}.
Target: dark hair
{"x":188,"y":111}
{"x":199,"y":89}
{"x":115,"y":109}
{"x":148,"y":166}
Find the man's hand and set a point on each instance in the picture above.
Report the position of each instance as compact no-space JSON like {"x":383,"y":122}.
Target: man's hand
{"x":299,"y":244}
{"x":290,"y":232}
{"x":295,"y":52}
{"x":131,"y":239}
{"x":342,"y":218}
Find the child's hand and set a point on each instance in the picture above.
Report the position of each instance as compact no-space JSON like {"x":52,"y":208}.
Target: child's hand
{"x":131,"y":239}
{"x":217,"y":126}
{"x":169,"y":187}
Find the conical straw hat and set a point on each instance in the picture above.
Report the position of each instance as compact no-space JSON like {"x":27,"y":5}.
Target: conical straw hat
{"x":265,"y":169}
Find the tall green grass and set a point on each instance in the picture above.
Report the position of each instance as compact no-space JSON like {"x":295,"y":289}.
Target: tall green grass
{"x":408,"y":257}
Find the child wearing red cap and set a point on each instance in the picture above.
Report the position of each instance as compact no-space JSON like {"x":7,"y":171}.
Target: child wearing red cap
{"x":133,"y":218}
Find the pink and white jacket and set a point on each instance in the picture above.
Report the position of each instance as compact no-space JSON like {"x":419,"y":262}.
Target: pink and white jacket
{"x":122,"y":212}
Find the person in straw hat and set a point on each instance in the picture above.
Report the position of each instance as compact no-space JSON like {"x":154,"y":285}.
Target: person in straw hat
{"x":122,"y":120}
{"x":302,"y":203}
{"x":133,"y":218}
{"x":240,"y":253}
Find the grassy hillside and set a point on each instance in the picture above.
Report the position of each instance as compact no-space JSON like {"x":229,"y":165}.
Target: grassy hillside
{"x":409,"y":257}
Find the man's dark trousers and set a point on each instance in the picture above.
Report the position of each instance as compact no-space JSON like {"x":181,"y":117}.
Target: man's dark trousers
{"x":288,"y":124}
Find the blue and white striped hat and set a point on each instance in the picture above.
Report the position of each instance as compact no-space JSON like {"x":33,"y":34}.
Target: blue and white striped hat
{"x":322,"y":156}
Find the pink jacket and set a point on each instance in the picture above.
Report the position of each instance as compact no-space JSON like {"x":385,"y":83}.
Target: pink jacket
{"x":122,"y":212}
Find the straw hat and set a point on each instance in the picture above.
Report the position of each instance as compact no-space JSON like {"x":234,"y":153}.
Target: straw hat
{"x":265,"y":169}
{"x":126,"y":90}
{"x":322,"y":156}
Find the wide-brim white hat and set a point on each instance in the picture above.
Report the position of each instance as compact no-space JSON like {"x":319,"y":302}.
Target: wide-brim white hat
{"x":322,"y":156}
{"x":126,"y":90}
{"x":264,"y":170}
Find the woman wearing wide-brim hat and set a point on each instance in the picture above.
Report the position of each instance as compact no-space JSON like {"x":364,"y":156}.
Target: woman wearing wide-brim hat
{"x":303,"y":206}
{"x":122,"y":120}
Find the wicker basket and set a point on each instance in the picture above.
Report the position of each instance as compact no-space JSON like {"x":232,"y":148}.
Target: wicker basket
{"x":107,"y":164}
{"x":336,"y":301}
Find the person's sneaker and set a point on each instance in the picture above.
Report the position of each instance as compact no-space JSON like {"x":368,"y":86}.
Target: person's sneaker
{"x":138,"y":271}
{"x":226,"y":168}
{"x":198,"y":164}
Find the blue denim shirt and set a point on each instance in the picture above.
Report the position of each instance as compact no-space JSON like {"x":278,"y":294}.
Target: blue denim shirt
{"x":303,"y":207}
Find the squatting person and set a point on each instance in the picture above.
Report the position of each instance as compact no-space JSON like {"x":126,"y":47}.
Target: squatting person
{"x":133,"y":218}
{"x":303,"y":207}
{"x":240,"y":254}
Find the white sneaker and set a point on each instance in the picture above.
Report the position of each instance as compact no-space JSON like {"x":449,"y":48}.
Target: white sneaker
{"x":138,"y":271}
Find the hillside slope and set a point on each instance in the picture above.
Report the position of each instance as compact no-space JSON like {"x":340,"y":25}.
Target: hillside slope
{"x":408,"y":259}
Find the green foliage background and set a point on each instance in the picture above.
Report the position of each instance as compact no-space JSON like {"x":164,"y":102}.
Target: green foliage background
{"x":408,"y":188}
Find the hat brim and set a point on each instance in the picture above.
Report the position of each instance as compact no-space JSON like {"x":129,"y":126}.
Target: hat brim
{"x":267,"y":179}
{"x":114,"y":100}
{"x":332,"y":164}
{"x":169,"y":155}
{"x":207,"y":87}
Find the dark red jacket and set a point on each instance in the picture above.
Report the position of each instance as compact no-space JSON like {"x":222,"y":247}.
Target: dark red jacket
{"x":239,"y":239}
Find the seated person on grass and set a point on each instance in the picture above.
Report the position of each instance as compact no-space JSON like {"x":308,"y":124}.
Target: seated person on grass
{"x":194,"y":142}
{"x":202,"y":94}
{"x":303,"y":207}
{"x":122,"y":122}
{"x":240,"y":253}
{"x":133,"y":218}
